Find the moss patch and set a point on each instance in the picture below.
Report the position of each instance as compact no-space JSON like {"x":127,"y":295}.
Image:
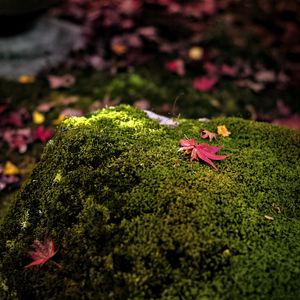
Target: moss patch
{"x":135,"y":219}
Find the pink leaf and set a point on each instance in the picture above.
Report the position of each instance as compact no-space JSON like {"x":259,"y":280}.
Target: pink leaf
{"x":18,"y":139}
{"x":209,"y":148}
{"x":211,"y":155}
{"x":202,"y":151}
{"x":42,"y":253}
{"x":176,"y":66}
{"x":207,"y":160}
{"x":265,"y":76}
{"x":148,"y":32}
{"x":204,"y":84}
{"x":210,"y":69}
{"x":97,"y":62}
{"x":64,"y":81}
{"x":15,"y":118}
{"x":207,"y":134}
{"x":247,"y":83}
{"x":44,"y":107}
{"x":228,"y":70}
{"x":209,"y":7}
{"x":43,"y":134}
{"x":187,"y":144}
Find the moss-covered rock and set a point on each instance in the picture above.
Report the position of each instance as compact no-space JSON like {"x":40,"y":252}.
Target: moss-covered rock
{"x":135,"y":219}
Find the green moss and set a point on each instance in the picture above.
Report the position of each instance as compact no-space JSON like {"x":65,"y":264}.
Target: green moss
{"x":135,"y":219}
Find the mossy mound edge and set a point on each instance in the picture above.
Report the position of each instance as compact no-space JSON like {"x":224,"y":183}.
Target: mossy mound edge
{"x":135,"y":219}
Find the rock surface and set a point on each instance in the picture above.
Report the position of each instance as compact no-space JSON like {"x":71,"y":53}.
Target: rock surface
{"x":43,"y":46}
{"x":135,"y":219}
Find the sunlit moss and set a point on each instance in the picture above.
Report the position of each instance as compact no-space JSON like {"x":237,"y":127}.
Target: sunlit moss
{"x":24,"y":221}
{"x":58,"y":177}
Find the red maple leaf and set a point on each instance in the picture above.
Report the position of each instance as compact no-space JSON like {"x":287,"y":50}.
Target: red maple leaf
{"x":42,"y":253}
{"x":43,"y":134}
{"x":176,"y":66}
{"x":202,"y":151}
{"x":205,"y":83}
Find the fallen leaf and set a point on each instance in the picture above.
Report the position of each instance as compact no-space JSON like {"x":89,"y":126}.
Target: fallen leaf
{"x":38,"y":118}
{"x":58,"y":120}
{"x":148,"y":32}
{"x":26,"y":79}
{"x":133,"y":40}
{"x":269,"y":218}
{"x":207,"y":134}
{"x":204,"y":84}
{"x":43,"y":134}
{"x":64,"y":81}
{"x":202,"y":151}
{"x":254,"y":86}
{"x":187,"y":145}
{"x":209,"y":7}
{"x":96,"y":62}
{"x":10,"y":169}
{"x":44,"y":107}
{"x":176,"y":66}
{"x":227,"y":70}
{"x":42,"y":253}
{"x":223,"y":131}
{"x":118,"y":48}
{"x":68,"y":100}
{"x":18,"y":139}
{"x":16,"y":118}
{"x":265,"y":76}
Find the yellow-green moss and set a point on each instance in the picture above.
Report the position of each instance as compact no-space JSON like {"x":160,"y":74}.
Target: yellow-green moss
{"x":135,"y":219}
